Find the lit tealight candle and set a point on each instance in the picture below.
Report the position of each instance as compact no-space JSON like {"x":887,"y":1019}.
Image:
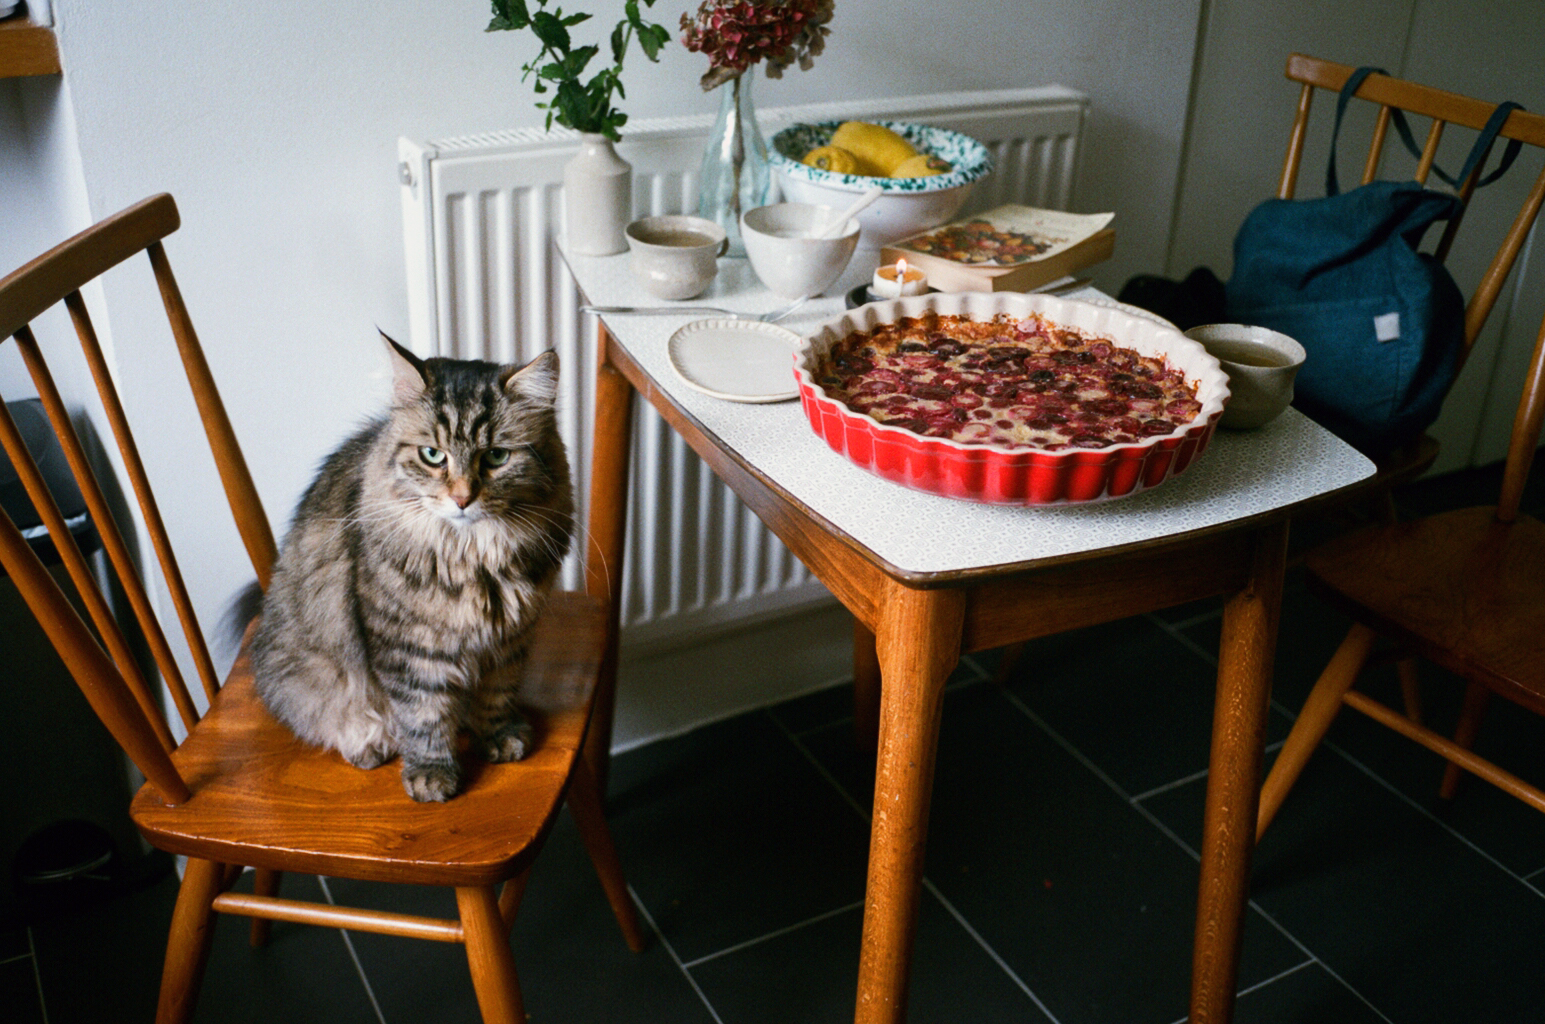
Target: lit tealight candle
{"x":894,"y":282}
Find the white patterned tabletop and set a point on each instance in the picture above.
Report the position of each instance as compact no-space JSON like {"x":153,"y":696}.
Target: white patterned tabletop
{"x":1241,"y":474}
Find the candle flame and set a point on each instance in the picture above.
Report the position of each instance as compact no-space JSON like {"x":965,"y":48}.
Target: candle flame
{"x":901,"y":270}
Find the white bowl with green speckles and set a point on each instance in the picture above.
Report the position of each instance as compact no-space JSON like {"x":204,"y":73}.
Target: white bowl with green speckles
{"x":907,"y":205}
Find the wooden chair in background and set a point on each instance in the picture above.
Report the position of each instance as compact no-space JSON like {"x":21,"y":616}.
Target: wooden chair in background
{"x":240,"y":791}
{"x":1443,"y":109}
{"x":1466,"y":589}
{"x":1463,"y":589}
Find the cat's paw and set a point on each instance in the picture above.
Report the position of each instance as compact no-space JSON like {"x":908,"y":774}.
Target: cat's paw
{"x":510,"y":742}
{"x":368,"y":758}
{"x":434,"y":782}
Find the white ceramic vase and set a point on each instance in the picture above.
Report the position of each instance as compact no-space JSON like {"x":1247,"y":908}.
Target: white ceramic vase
{"x":597,"y":198}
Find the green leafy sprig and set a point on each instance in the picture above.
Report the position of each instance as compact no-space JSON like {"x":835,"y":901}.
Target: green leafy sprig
{"x":560,"y":66}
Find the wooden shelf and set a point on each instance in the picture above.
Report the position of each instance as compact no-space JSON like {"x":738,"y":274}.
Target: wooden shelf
{"x":27,"y":49}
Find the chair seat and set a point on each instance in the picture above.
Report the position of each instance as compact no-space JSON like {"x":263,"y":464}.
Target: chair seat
{"x":263,"y":798}
{"x":1462,"y":589}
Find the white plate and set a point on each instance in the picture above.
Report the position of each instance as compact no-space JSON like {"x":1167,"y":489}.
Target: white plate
{"x":737,"y":360}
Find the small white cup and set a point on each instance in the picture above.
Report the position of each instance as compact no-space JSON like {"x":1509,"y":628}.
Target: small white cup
{"x":676,"y":256}
{"x":1261,"y":365}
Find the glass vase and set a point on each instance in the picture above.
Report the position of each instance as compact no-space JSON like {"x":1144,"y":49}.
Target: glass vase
{"x":735,"y":175}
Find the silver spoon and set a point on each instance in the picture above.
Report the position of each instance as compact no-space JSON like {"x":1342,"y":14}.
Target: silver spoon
{"x":773,"y":317}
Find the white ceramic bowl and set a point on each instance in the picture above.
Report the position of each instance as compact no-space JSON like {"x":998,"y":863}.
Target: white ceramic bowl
{"x":908,"y":205}
{"x":1261,"y":365}
{"x":786,"y":259}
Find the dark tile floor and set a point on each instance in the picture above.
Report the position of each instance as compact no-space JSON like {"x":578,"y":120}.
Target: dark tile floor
{"x":1061,"y":869}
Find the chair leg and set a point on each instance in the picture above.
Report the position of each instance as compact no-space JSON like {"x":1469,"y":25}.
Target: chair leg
{"x":1477,"y":697}
{"x":585,"y":805}
{"x":187,"y":946}
{"x":1410,"y":688}
{"x":1007,"y":662}
{"x":866,"y":690}
{"x":265,"y":882}
{"x":510,"y":895}
{"x":488,"y":955}
{"x":1314,"y":721}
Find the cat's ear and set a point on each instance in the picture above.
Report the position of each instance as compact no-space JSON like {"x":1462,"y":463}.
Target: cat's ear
{"x":536,"y":380}
{"x":407,"y":372}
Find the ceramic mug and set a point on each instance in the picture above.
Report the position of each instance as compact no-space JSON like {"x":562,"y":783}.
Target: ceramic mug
{"x":676,"y":256}
{"x":1261,"y":365}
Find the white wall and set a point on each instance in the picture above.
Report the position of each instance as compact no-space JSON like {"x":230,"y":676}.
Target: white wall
{"x":276,"y":130}
{"x":1243,"y":107}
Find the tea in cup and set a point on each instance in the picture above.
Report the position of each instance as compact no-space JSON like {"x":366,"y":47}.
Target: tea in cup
{"x":1261,"y":365}
{"x":676,"y":256}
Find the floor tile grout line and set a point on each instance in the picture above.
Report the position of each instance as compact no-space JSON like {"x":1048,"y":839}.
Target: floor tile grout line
{"x":1173,"y":630}
{"x":1187,"y":623}
{"x":1195,"y":776}
{"x":1184,"y":780}
{"x":1153,"y":820}
{"x":1271,"y":920}
{"x":989,"y":950}
{"x":348,"y":943}
{"x":1424,"y":812}
{"x":1057,"y":738}
{"x":1310,"y":962}
{"x":775,"y":933}
{"x":960,"y":918}
{"x":37,"y":974}
{"x":1257,"y":908}
{"x":1260,"y":984}
{"x":675,"y":958}
{"x":809,"y":755}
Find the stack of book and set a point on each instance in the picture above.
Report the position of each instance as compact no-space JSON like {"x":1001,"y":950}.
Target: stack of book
{"x":1006,"y":249}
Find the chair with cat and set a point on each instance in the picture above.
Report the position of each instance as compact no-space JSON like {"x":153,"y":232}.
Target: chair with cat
{"x":240,"y":791}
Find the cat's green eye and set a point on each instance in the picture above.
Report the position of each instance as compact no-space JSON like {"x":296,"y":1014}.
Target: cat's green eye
{"x":432,"y":456}
{"x":496,"y":456}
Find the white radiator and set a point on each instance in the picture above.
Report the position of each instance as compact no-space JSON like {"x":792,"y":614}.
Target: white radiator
{"x":485,"y":280}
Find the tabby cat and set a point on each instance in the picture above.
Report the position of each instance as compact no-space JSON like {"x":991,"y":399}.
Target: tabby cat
{"x":404,"y":596}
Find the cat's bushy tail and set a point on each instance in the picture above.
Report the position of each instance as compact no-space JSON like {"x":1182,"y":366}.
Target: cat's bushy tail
{"x":245,"y":606}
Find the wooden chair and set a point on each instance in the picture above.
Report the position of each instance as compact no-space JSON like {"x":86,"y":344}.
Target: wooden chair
{"x":1464,"y":589}
{"x":1338,"y":566}
{"x":240,"y":790}
{"x":1371,"y":501}
{"x":1443,"y":109}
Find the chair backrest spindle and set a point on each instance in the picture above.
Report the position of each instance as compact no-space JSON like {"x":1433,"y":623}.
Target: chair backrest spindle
{"x":256,"y":533}
{"x":75,"y":564}
{"x":1525,"y":439}
{"x":139,"y":480}
{"x":103,"y":663}
{"x":1444,"y":109}
{"x":1376,"y":146}
{"x":98,"y":678}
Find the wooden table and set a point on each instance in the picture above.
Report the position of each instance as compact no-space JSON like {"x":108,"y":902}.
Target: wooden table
{"x":929,"y":578}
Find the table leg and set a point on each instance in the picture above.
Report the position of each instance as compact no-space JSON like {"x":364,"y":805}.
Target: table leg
{"x":866,"y":690}
{"x":918,"y":645}
{"x":1234,"y":777}
{"x":607,"y":535}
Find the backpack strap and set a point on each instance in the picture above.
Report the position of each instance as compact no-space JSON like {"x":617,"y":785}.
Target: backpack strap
{"x":1402,"y":128}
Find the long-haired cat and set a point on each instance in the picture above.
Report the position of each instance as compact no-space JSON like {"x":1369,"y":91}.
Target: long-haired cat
{"x":404,"y":595}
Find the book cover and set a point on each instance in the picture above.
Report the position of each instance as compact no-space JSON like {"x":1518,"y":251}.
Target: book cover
{"x":1008,"y":248}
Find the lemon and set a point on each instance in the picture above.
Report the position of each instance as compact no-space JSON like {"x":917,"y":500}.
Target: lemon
{"x":832,"y":158}
{"x":922,"y":165}
{"x":876,"y":148}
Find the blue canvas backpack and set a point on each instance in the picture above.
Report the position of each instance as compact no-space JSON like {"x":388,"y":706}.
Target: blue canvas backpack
{"x":1383,"y":324}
